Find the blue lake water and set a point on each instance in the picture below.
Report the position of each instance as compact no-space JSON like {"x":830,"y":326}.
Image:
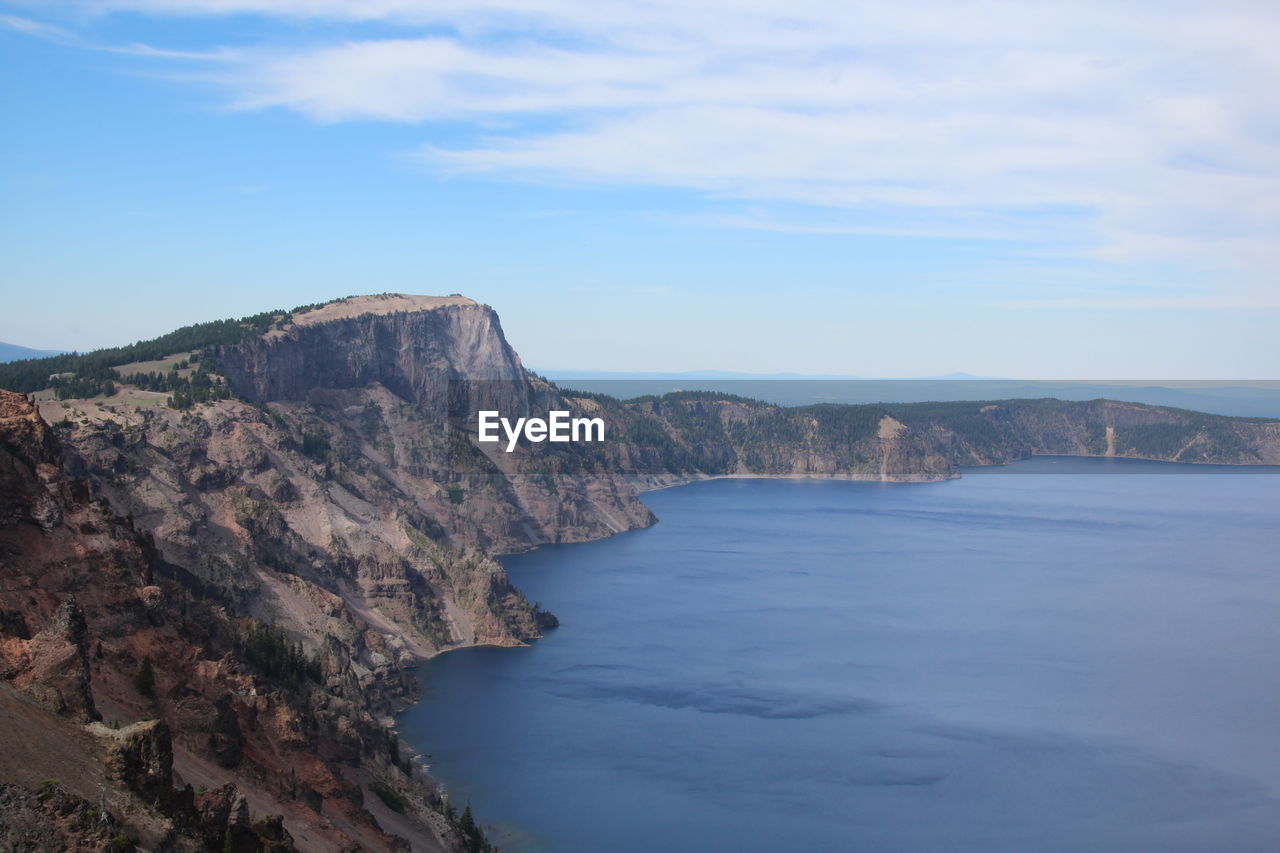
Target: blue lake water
{"x":1047,"y":662}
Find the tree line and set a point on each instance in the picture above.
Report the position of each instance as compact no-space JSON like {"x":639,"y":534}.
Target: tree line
{"x":92,"y":370}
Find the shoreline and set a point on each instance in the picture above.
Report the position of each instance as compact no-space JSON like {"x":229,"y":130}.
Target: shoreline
{"x":960,"y":469}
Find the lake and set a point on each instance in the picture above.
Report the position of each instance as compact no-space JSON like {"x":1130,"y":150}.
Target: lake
{"x":1077,"y":658}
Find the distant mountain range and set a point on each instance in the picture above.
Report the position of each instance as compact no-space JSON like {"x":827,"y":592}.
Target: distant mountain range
{"x":13,"y":352}
{"x":1241,"y":398}
{"x":557,"y":375}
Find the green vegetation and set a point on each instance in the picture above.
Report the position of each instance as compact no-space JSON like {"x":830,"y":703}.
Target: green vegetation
{"x":81,"y":375}
{"x":314,"y":444}
{"x":14,"y":624}
{"x":78,"y":386}
{"x":269,"y":650}
{"x":184,"y":391}
{"x":145,"y":680}
{"x":1168,"y":440}
{"x":676,"y":397}
{"x":1164,"y":440}
{"x":842,"y":423}
{"x":473,"y":840}
{"x":393,"y":748}
{"x":390,"y":797}
{"x":433,"y":624}
{"x":120,"y":843}
{"x":90,"y":373}
{"x":246,"y":508}
{"x":988,"y":433}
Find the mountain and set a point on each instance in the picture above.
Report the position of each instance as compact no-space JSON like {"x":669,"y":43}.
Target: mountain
{"x":1239,"y":398}
{"x":239,"y":540}
{"x":13,"y":352}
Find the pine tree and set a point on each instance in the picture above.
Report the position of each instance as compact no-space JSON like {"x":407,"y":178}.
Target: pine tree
{"x":145,"y":680}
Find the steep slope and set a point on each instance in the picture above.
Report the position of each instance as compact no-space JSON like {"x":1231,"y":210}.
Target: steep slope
{"x":333,"y":498}
{"x":124,"y":684}
{"x":999,"y":431}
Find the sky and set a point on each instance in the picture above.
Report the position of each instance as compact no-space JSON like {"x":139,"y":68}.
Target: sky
{"x":1022,"y":189}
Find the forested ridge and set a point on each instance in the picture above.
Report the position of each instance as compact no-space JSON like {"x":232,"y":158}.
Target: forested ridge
{"x":79,"y":375}
{"x":708,"y":433}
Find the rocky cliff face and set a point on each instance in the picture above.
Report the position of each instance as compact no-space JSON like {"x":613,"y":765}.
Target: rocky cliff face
{"x":996,"y":432}
{"x":684,"y":436}
{"x":411,"y":345}
{"x":128,"y":687}
{"x":330,"y":506}
{"x":335,"y":501}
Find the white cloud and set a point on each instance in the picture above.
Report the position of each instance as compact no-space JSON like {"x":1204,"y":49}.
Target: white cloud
{"x":1144,"y":128}
{"x":33,"y":28}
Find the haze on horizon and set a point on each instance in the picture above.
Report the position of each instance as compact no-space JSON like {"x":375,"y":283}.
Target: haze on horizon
{"x":1008,"y":189}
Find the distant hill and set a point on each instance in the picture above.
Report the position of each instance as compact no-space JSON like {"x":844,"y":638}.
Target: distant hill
{"x":13,"y":352}
{"x":1229,"y":397}
{"x":557,"y":375}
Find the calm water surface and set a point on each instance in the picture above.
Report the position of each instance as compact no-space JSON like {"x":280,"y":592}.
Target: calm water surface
{"x":1047,"y":662}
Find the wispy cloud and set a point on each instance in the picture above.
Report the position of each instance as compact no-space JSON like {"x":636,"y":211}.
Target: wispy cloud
{"x":221,"y":54}
{"x":1267,"y":300}
{"x":34,"y":28}
{"x":1126,"y":130}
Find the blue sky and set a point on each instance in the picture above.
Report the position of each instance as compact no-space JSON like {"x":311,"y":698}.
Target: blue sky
{"x":1082,"y":190}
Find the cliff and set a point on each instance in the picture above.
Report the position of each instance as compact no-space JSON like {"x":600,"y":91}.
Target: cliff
{"x":413,"y":346}
{"x":142,"y":710}
{"x":332,"y":497}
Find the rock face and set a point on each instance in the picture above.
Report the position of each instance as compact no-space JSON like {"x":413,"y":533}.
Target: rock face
{"x":53,"y":820}
{"x":85,"y":614}
{"x":341,"y":505}
{"x":1000,"y":431}
{"x":684,"y":436}
{"x":410,"y":345}
{"x":141,"y":756}
{"x":28,"y":467}
{"x":58,"y":675}
{"x":226,"y":740}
